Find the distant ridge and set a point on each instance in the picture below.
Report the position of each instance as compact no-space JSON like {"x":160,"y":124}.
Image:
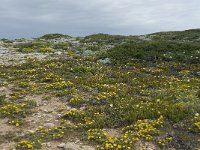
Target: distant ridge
{"x":54,"y":36}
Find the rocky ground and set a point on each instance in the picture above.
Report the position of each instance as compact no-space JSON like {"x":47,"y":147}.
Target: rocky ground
{"x":9,"y":56}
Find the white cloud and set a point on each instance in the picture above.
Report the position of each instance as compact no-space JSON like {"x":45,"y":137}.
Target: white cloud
{"x":22,"y":18}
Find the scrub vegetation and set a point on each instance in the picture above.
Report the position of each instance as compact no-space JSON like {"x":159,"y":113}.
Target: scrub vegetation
{"x":149,"y":93}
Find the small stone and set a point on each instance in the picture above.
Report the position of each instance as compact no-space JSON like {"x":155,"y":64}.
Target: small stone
{"x":58,"y":53}
{"x":77,"y":141}
{"x":82,"y":108}
{"x":49,"y":125}
{"x":46,"y":111}
{"x":47,"y":144}
{"x":48,"y":120}
{"x":61,"y":145}
{"x":198,"y":73}
{"x":104,"y":61}
{"x":31,"y":131}
{"x":68,"y":108}
{"x":88,"y":53}
{"x":59,"y":115}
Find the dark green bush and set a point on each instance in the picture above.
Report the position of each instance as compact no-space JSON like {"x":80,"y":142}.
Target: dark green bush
{"x":53,"y":36}
{"x":63,"y":46}
{"x":156,"y":51}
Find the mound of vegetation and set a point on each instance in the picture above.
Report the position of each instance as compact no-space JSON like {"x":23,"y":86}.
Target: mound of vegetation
{"x":156,"y":51}
{"x":54,"y":36}
{"x":187,"y":35}
{"x":6,"y":40}
{"x":62,"y":45}
{"x":106,"y":38}
{"x":41,"y":46}
{"x":34,"y":47}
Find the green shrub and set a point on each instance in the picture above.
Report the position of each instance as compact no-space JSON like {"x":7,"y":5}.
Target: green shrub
{"x":45,"y":49}
{"x":33,"y":46}
{"x":28,"y":50}
{"x":53,"y":36}
{"x":156,"y":51}
{"x":63,"y":46}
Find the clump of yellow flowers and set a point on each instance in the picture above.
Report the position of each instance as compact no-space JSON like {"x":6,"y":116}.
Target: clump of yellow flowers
{"x":197,"y":122}
{"x":59,"y":85}
{"x":15,"y":122}
{"x":75,"y":100}
{"x":75,"y":115}
{"x":114,"y":143}
{"x":24,"y":144}
{"x":11,"y":109}
{"x":164,"y":141}
{"x":98,"y":135}
{"x":15,"y":111}
{"x":41,"y":135}
{"x":45,"y":49}
{"x":142,"y":129}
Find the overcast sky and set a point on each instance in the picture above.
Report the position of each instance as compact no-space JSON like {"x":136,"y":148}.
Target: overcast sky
{"x":24,"y":18}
